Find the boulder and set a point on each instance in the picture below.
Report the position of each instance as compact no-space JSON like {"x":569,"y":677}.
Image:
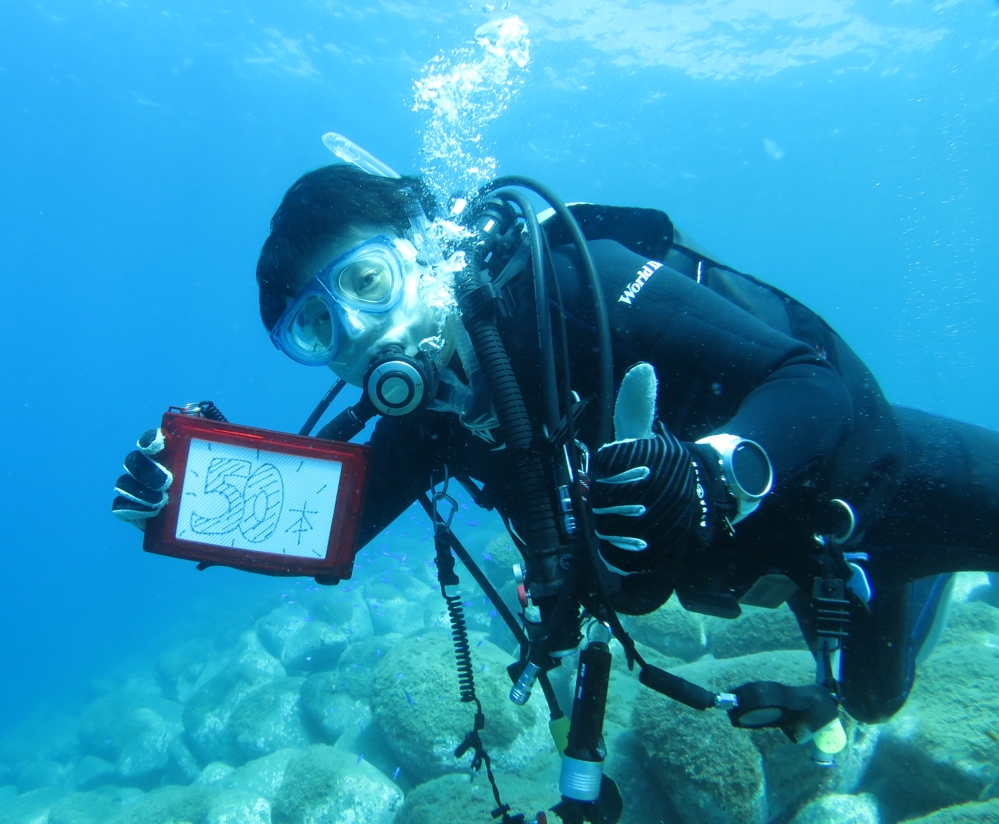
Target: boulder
{"x":267,"y":719}
{"x":84,"y":808}
{"x":178,"y":669}
{"x":477,"y":611}
{"x":757,"y":630}
{"x":984,"y":812}
{"x":498,"y":559}
{"x":714,"y":772}
{"x":970,"y":586}
{"x":330,"y":708}
{"x":91,"y":772}
{"x":671,"y":630}
{"x":36,"y":774}
{"x":941,"y":748}
{"x":337,"y":609}
{"x":357,"y":665}
{"x":262,"y":777}
{"x":971,"y":622}
{"x":324,"y":785}
{"x":135,"y":739}
{"x":170,"y":805}
{"x":415,"y":701}
{"x":251,"y":654}
{"x":183,"y":766}
{"x":627,"y":765}
{"x":29,"y":808}
{"x":839,"y":808}
{"x":214,"y":773}
{"x":238,"y":807}
{"x":305,"y":644}
{"x":499,"y":633}
{"x":210,"y":708}
{"x":455,"y":798}
{"x":391,"y":610}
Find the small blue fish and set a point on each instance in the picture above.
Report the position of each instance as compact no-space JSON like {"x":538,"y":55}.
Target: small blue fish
{"x":360,"y":758}
{"x":398,"y":677}
{"x":409,"y":698}
{"x":487,"y":556}
{"x":378,"y":653}
{"x":395,"y":775}
{"x":479,"y":644}
{"x":482,"y":668}
{"x":471,"y":523}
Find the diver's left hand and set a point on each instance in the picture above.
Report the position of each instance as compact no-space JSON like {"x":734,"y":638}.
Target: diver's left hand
{"x":141,"y":492}
{"x":647,"y":497}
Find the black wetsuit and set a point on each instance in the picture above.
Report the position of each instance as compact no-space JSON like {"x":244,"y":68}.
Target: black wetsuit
{"x":737,"y":356}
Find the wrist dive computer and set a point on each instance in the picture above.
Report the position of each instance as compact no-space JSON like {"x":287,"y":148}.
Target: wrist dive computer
{"x":745,"y":470}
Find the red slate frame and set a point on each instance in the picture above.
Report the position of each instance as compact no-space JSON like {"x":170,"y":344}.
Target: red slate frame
{"x":179,"y":429}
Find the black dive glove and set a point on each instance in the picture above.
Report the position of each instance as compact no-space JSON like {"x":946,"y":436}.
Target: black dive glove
{"x":142,"y":491}
{"x":652,"y":495}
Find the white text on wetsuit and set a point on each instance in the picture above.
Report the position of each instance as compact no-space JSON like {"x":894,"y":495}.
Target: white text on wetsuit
{"x":634,"y":288}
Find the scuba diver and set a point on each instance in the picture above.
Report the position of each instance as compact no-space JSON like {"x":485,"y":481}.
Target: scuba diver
{"x":647,"y":420}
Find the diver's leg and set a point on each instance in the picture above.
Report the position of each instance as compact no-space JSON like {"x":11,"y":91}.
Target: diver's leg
{"x":879,"y":657}
{"x":945,"y":516}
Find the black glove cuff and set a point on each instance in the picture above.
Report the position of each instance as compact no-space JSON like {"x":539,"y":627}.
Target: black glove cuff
{"x":719,"y":501}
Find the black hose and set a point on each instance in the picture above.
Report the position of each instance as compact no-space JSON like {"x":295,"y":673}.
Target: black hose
{"x":349,"y":422}
{"x":605,"y":428}
{"x":549,"y":385}
{"x":322,"y":406}
{"x":535,"y":523}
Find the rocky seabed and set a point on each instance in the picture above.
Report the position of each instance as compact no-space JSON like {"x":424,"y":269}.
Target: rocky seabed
{"x":341,"y":706}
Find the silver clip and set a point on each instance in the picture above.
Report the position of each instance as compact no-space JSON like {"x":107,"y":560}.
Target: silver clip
{"x":440,"y":496}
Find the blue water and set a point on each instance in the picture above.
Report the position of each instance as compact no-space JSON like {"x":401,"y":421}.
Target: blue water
{"x":846,"y":152}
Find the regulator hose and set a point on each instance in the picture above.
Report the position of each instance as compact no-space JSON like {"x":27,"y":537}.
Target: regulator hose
{"x":605,"y":366}
{"x":536,"y":522}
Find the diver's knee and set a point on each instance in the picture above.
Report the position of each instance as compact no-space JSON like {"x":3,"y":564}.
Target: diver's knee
{"x":872,"y":708}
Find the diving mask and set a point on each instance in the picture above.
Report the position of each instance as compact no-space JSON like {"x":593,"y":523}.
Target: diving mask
{"x":337,"y":305}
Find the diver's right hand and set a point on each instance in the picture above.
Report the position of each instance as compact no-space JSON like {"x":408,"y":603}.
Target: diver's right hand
{"x":142,"y":491}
